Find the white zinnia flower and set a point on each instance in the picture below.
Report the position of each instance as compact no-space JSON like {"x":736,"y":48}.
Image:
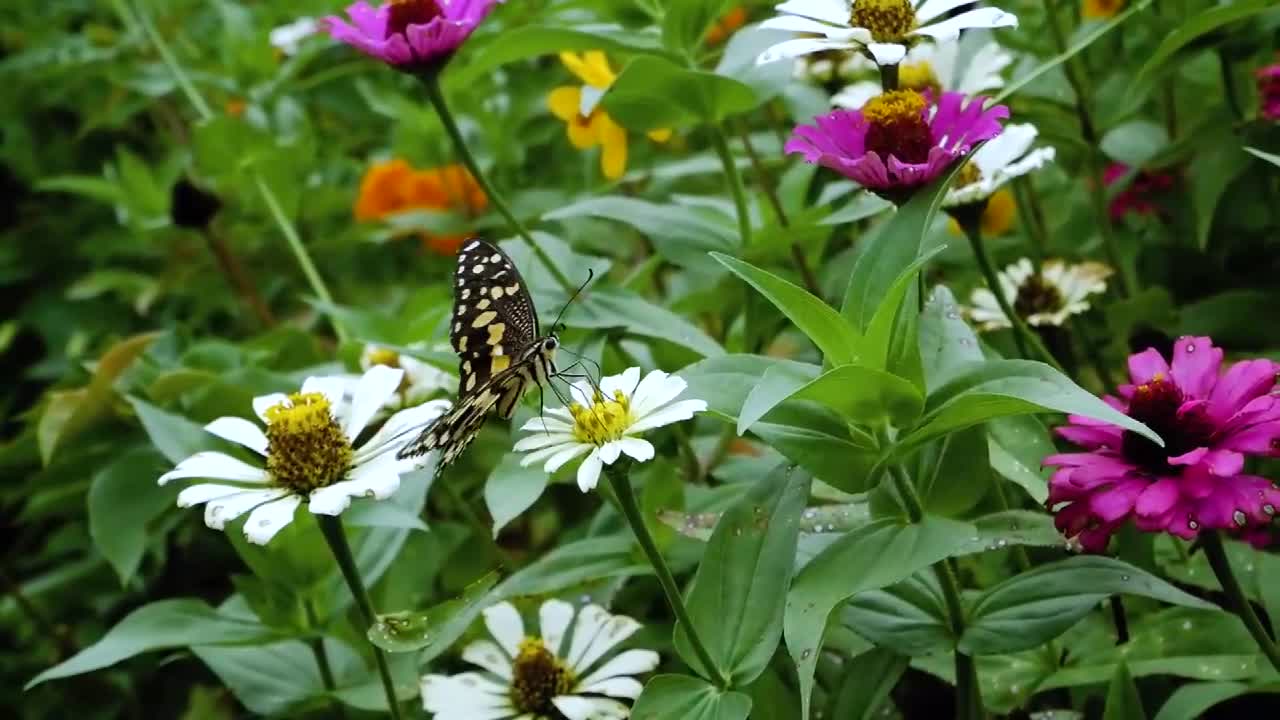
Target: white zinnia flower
{"x":603,"y":425}
{"x":1049,"y":297}
{"x":546,"y":675}
{"x":309,"y":453}
{"x":884,"y":28}
{"x":421,"y":379}
{"x":286,"y":38}
{"x":939,"y":68}
{"x":1004,"y":157}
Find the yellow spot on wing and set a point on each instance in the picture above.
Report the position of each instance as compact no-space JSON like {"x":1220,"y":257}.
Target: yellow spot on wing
{"x":483,"y":319}
{"x":462,"y":343}
{"x":495,"y":292}
{"x":483,"y":304}
{"x":499,"y":363}
{"x":496,"y":331}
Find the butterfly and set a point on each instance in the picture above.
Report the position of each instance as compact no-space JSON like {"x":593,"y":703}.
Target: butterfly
{"x":502,"y":352}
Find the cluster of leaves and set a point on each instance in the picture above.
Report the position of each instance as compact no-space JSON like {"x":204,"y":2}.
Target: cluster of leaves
{"x":815,"y":575}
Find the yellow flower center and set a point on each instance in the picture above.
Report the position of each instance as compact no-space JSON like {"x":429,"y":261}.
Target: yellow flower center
{"x":383,"y":356}
{"x":888,"y":20}
{"x":998,"y":217}
{"x":918,"y":76}
{"x":968,"y":175}
{"x":306,"y":448}
{"x":605,"y":420}
{"x":538,"y":676}
{"x":898,"y":126}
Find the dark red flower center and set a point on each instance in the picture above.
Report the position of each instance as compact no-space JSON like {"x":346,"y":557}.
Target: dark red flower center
{"x":1156,"y":404}
{"x":897,"y":126}
{"x":404,"y":13}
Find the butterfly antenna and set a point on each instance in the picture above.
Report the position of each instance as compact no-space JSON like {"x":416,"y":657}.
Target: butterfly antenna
{"x":583,"y":359}
{"x":590,"y":274}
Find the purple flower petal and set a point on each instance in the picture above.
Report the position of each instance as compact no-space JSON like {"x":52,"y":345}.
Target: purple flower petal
{"x":1195,"y":365}
{"x":1243,"y":382}
{"x":1146,"y":365}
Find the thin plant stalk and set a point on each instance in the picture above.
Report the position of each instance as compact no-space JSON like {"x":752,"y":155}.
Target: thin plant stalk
{"x":1211,"y":541}
{"x":620,"y":482}
{"x":336,"y":537}
{"x":436,"y":95}
{"x":765,"y":181}
{"x":734,"y":179}
{"x":236,"y":277}
{"x":139,"y":15}
{"x":322,"y":659}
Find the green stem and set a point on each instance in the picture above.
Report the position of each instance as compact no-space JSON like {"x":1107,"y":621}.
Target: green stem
{"x":1229,"y":85}
{"x":739,"y":193}
{"x":621,"y":484}
{"x":331,"y":527}
{"x":322,"y":659}
{"x":1023,"y":336}
{"x":1211,"y":541}
{"x":888,"y":77}
{"x":1028,"y":205}
{"x":765,"y":180}
{"x":436,"y":95}
{"x":273,"y":204}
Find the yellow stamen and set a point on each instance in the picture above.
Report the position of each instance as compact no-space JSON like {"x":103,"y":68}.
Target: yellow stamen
{"x":895,"y":106}
{"x":383,"y":356}
{"x":537,"y":677}
{"x":888,"y":20}
{"x":918,"y":76}
{"x":306,"y":448}
{"x":607,"y":419}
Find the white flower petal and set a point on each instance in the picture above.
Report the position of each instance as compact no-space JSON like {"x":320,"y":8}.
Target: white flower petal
{"x":609,"y":452}
{"x":802,"y":46}
{"x":546,"y":424}
{"x":557,"y":461}
{"x":637,"y":449}
{"x":467,"y":696}
{"x":375,"y":387}
{"x":856,"y":95}
{"x":793,"y":23}
{"x":983,"y":70}
{"x":950,"y":28}
{"x":504,"y":623}
{"x":657,"y":389}
{"x":1011,"y":144}
{"x":588,"y":98}
{"x":400,"y":430}
{"x":620,"y":687}
{"x":553,"y":620}
{"x":590,"y":708}
{"x":591,"y":619}
{"x":486,"y":654}
{"x":589,"y":471}
{"x":204,"y":492}
{"x":626,"y":382}
{"x":676,"y":412}
{"x":628,"y":662}
{"x":215,"y":466}
{"x":220,"y":511}
{"x":887,"y":53}
{"x":378,"y":480}
{"x":333,"y":387}
{"x":541,"y":454}
{"x":541,"y":440}
{"x":263,"y":402}
{"x":931,"y":9}
{"x":617,"y":629}
{"x":267,"y":520}
{"x":239,"y":431}
{"x":835,"y":12}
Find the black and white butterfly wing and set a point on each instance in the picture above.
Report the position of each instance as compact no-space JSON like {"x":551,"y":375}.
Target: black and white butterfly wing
{"x":494,"y":320}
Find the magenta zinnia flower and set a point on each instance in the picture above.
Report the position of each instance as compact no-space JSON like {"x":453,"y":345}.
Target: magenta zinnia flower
{"x":1142,"y":194}
{"x":410,"y":35}
{"x":897,"y":141}
{"x":1209,"y":422}
{"x":1269,"y":91}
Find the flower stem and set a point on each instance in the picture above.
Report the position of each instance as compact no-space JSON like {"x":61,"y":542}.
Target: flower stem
{"x":1211,"y":541}
{"x":234,"y":272}
{"x":888,"y":77}
{"x":436,"y":95}
{"x":621,"y":484}
{"x":1023,"y":336}
{"x":765,"y":181}
{"x":735,"y":183}
{"x":322,"y":659}
{"x":170,"y":61}
{"x":331,"y":527}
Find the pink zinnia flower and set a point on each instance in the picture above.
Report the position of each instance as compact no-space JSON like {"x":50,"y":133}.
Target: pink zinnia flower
{"x":410,"y":35}
{"x":1269,"y":91}
{"x":1141,"y":195}
{"x":897,"y":141}
{"x":1209,"y":422}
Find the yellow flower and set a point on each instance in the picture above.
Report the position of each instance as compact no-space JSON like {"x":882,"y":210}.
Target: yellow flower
{"x":595,"y":128}
{"x":1100,"y":9}
{"x":997,"y":218}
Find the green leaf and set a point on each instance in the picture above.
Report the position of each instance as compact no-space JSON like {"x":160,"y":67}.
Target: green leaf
{"x":1017,"y":446}
{"x":886,"y":328}
{"x":680,"y":233}
{"x":839,"y":342}
{"x":859,"y":394}
{"x":1211,"y":172}
{"x":1273,"y":159}
{"x":512,"y":489}
{"x":868,"y":679}
{"x":123,"y":499}
{"x":272,"y":679}
{"x":619,"y":308}
{"x":1134,"y":143}
{"x":519,"y":42}
{"x":1123,"y":701}
{"x":653,"y":93}
{"x":1191,"y":702}
{"x":909,"y":618}
{"x":1070,"y":52}
{"x":819,"y":442}
{"x":947,"y":343}
{"x":768,"y":80}
{"x":176,"y":437}
{"x":1041,"y":604}
{"x":1001,"y":388}
{"x":1192,"y":28}
{"x":874,"y":556}
{"x":738,"y":593}
{"x":685,"y":22}
{"x":434,"y":629}
{"x":161,"y":625}
{"x":89,"y":186}
{"x":953,"y":473}
{"x":688,"y":698}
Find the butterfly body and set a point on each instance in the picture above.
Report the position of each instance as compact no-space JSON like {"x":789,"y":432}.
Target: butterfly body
{"x":501,"y":351}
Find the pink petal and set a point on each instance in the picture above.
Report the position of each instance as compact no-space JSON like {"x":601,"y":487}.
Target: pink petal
{"x":1243,"y":382}
{"x":1146,"y":365}
{"x":1158,"y":498}
{"x":1114,"y":503}
{"x":1195,"y":365}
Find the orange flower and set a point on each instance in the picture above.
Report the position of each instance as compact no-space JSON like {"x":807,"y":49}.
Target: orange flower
{"x":235,"y":107}
{"x":726,"y":25}
{"x":1100,"y":9}
{"x":395,"y":187}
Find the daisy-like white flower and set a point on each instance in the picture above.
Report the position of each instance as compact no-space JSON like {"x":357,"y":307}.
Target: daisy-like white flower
{"x":309,"y":454}
{"x":1004,"y":157}
{"x":421,"y":379}
{"x":288,"y":37}
{"x":605,"y":424}
{"x":885,"y":29}
{"x":1048,"y":297}
{"x":546,"y":675}
{"x":937,"y":68}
